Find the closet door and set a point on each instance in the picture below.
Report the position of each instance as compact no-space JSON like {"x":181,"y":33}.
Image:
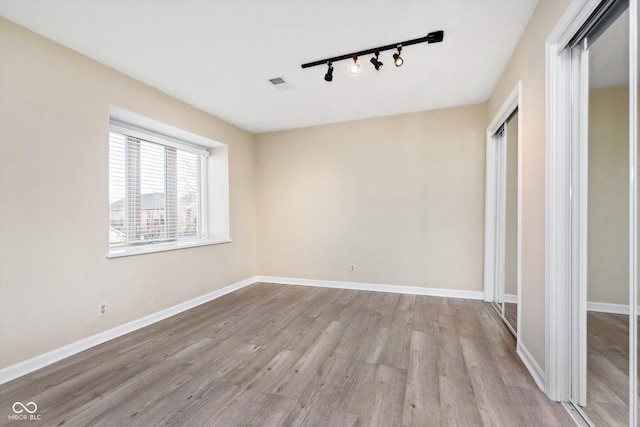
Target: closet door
{"x":503,"y":212}
{"x":605,"y":243}
{"x":608,"y":231}
{"x":592,"y":194}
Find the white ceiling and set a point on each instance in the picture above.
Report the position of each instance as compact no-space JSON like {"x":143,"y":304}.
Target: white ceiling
{"x":218,"y":55}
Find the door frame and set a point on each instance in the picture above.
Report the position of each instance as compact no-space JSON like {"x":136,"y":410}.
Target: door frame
{"x":494,"y":203}
{"x":558,"y":199}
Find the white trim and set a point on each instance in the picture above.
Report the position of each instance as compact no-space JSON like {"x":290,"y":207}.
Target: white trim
{"x":633,"y":210}
{"x":603,"y":307}
{"x":489,"y":221}
{"x":126,"y":129}
{"x":511,"y":298}
{"x":510,"y":104}
{"x":557,"y":233}
{"x":579,"y":216}
{"x":121,"y":117}
{"x":532,"y":366}
{"x":22,"y":368}
{"x":521,"y":108}
{"x":558,"y":200}
{"x":122,"y":251}
{"x":374,"y":287}
{"x":569,"y":24}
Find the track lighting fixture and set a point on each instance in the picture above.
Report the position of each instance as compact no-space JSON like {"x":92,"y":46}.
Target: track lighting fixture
{"x":432,"y":37}
{"x":376,"y":63}
{"x":397,"y":59}
{"x":329,"y":76}
{"x":355,"y":67}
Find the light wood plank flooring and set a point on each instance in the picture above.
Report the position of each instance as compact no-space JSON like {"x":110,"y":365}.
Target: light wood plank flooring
{"x":511,"y":314}
{"x":278,"y":355}
{"x":607,"y":369}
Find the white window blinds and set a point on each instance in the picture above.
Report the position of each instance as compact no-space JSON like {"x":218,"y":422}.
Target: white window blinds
{"x":156,"y":190}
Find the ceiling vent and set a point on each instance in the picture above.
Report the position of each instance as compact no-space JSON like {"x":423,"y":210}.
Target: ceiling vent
{"x":281,"y":83}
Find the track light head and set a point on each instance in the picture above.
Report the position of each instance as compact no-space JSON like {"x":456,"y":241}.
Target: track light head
{"x":397,"y":59}
{"x":355,"y":67}
{"x":376,"y":63}
{"x":329,"y":76}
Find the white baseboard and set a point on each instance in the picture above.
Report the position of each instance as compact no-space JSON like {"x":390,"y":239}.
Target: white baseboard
{"x":22,"y":368}
{"x":603,"y":307}
{"x":532,"y":366}
{"x":411,"y":290}
{"x":510,"y":298}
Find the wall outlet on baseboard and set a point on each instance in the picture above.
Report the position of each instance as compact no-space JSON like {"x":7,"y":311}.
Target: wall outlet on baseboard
{"x":102,"y":309}
{"x":352,"y":268}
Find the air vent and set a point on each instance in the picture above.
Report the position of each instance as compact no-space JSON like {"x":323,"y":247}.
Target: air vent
{"x":281,"y":83}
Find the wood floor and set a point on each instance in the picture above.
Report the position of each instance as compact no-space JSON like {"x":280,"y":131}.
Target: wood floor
{"x":607,"y":369}
{"x":278,"y":355}
{"x":511,"y":314}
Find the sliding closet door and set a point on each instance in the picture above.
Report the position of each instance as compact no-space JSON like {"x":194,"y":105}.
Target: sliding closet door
{"x":592,"y":194}
{"x":510,"y":299}
{"x":608,"y":250}
{"x":606,"y":155}
{"x":499,"y":201}
{"x":503,"y":207}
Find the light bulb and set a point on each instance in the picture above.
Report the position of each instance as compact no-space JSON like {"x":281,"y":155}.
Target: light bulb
{"x":355,"y":67}
{"x":397,"y":59}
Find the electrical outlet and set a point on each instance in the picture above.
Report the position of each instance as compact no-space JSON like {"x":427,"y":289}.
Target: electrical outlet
{"x":352,"y":267}
{"x":102,"y":309}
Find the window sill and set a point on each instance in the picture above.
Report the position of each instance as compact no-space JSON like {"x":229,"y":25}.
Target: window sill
{"x":161,"y":247}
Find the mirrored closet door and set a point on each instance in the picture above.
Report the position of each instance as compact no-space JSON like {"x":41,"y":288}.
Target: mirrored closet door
{"x":604,"y":223}
{"x":502,"y":228}
{"x":510,"y":296}
{"x":607,"y":358}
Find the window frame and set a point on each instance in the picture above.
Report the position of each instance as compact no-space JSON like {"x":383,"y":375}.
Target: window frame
{"x":214,"y":193}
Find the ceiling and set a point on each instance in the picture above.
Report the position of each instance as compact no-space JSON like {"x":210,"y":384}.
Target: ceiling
{"x":218,"y":55}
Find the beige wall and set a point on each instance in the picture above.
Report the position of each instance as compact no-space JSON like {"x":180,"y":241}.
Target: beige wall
{"x":54,"y":115}
{"x":528,"y":64}
{"x":608,"y":206}
{"x":401,"y":197}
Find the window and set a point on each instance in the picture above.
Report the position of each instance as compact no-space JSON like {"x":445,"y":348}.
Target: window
{"x":158,"y":191}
